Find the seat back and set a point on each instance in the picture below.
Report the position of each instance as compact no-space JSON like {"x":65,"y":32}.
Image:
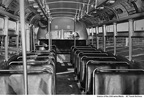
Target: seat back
{"x":39,"y":82}
{"x":103,"y":64}
{"x":84,"y":61}
{"x":118,"y":81}
{"x":77,"y":59}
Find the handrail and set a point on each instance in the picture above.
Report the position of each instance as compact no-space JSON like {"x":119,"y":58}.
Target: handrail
{"x":122,"y":70}
{"x":98,"y":53}
{"x":28,"y":62}
{"x":109,"y":62}
{"x":100,"y":57}
{"x":49,"y":70}
{"x":94,"y":51}
{"x":20,"y":57}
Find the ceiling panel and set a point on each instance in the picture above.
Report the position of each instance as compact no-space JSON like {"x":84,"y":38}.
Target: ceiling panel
{"x":62,"y":10}
{"x":83,"y":1}
{"x":72,"y":8}
{"x":62,"y":15}
{"x":65,"y":7}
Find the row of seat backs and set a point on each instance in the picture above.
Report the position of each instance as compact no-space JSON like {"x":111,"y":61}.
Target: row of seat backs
{"x":42,"y":72}
{"x":105,"y":62}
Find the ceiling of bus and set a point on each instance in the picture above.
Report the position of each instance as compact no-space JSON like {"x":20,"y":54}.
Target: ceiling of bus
{"x":67,"y":7}
{"x":92,"y":12}
{"x":54,"y":8}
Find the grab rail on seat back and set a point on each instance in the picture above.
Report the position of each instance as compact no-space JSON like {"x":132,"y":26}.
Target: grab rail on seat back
{"x":104,"y":65}
{"x":86,"y":60}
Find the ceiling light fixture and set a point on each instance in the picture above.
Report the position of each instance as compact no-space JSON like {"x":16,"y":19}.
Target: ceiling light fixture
{"x":31,"y":1}
{"x":100,"y":8}
{"x":38,"y":10}
{"x":35,"y":5}
{"x":110,"y":1}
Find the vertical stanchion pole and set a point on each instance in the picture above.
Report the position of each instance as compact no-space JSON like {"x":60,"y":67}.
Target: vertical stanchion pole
{"x":131,"y":30}
{"x":6,"y":37}
{"x":88,"y":32}
{"x":49,"y":31}
{"x":92,"y":30}
{"x":17,"y":38}
{"x":33,"y":39}
{"x":22,"y":21}
{"x":104,"y":37}
{"x":50,"y":36}
{"x":62,"y":34}
{"x":28,"y":37}
{"x":74,"y":33}
{"x":97,"y":38}
{"x":74,"y":39}
{"x":115,"y":33}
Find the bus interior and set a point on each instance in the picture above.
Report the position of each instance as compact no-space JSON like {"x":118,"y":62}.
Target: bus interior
{"x":71,"y":47}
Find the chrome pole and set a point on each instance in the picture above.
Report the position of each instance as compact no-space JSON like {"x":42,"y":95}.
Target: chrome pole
{"x":33,"y":39}
{"x":49,"y":41}
{"x":88,"y":32}
{"x":17,"y":38}
{"x":22,"y":20}
{"x":88,"y":6}
{"x":74,"y":39}
{"x":104,"y":37}
{"x":50,"y":36}
{"x":27,"y":37}
{"x":97,"y":38}
{"x":92,"y":30}
{"x":131,"y":30}
{"x":115,"y":32}
{"x":6,"y":37}
{"x":74,"y":33}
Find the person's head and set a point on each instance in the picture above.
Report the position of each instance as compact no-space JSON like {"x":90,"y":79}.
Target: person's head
{"x":43,"y":23}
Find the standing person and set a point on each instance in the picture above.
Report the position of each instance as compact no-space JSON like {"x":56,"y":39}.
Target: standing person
{"x":42,"y":31}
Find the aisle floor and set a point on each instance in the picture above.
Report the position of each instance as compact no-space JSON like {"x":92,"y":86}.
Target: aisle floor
{"x":65,"y":80}
{"x":66,"y":85}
